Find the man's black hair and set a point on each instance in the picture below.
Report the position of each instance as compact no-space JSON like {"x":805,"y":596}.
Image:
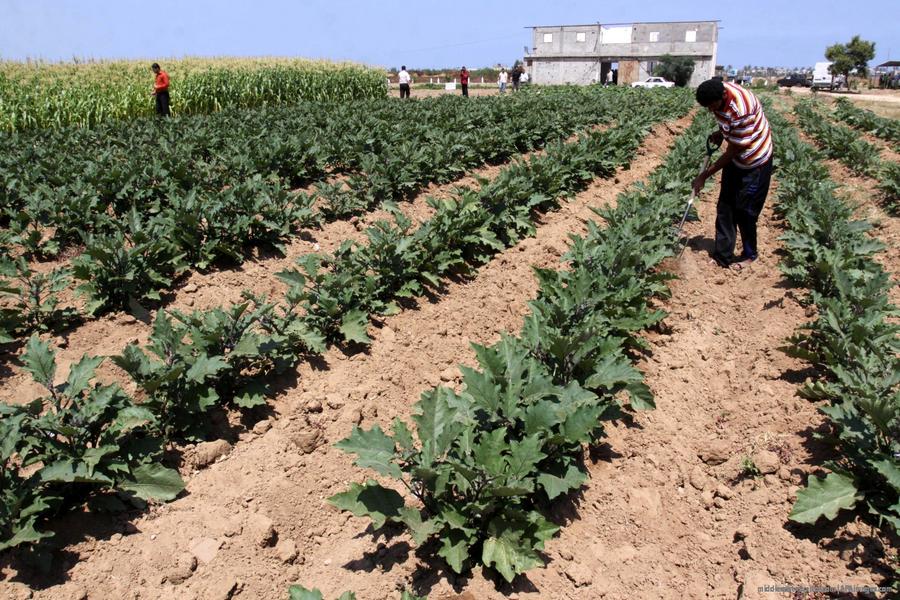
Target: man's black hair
{"x":154,"y":66}
{"x":403,"y":68}
{"x":709,"y":92}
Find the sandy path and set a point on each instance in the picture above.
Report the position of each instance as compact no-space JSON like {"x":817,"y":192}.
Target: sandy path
{"x":890,"y":97}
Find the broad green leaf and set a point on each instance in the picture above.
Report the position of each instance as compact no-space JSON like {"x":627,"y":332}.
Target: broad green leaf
{"x":374,"y":449}
{"x":69,"y":471}
{"x":251,"y":395}
{"x":370,"y":500}
{"x":541,"y":529}
{"x":524,"y":456}
{"x":510,"y":555}
{"x":891,"y":472}
{"x":40,"y":361}
{"x":490,"y":452}
{"x":205,"y":367}
{"x":153,"y":481}
{"x":454,"y":549}
{"x":579,"y":424}
{"x":347,"y":596}
{"x":824,"y":497}
{"x":298,"y":592}
{"x":354,"y":325}
{"x":542,"y":416}
{"x":26,"y":534}
{"x":641,"y":397}
{"x":435,"y":422}
{"x":81,"y":373}
{"x":557,"y":486}
{"x":420,"y":530}
{"x":402,"y":435}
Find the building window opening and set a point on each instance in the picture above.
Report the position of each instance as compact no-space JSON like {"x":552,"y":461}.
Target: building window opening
{"x":654,"y":36}
{"x":580,"y":36}
{"x":548,"y":38}
{"x":690,"y":35}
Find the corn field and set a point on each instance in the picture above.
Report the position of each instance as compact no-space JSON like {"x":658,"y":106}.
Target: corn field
{"x":84,"y":94}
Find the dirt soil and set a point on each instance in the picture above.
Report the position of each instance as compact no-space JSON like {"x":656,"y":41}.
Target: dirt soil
{"x":667,"y":513}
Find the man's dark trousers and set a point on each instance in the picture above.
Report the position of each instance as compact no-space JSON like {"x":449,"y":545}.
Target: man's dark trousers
{"x":741,"y":201}
{"x":162,"y":103}
{"x":404,"y":90}
{"x":465,"y":88}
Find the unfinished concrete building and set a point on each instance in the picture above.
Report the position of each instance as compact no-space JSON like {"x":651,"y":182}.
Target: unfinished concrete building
{"x":584,"y":54}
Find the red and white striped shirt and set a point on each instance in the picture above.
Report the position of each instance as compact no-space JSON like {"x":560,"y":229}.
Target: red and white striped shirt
{"x":744,"y":124}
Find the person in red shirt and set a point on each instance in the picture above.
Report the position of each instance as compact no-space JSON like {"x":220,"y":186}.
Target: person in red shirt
{"x":161,"y":90}
{"x":464,"y":81}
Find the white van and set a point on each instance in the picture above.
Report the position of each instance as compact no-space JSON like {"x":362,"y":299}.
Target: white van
{"x":822,"y":78}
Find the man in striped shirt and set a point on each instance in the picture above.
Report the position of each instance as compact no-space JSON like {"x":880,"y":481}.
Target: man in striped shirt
{"x":746,"y":167}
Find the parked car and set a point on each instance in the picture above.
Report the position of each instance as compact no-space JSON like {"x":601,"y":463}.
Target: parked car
{"x":824,"y":80}
{"x":794,"y":79}
{"x":653,"y":82}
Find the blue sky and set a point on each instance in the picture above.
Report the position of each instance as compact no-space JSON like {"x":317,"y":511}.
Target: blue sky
{"x":419,"y":34}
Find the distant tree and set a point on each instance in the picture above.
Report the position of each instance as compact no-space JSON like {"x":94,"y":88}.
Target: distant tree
{"x":675,"y":68}
{"x":854,"y":55}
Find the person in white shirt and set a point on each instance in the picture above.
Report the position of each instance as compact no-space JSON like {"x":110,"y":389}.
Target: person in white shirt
{"x":404,"y":79}
{"x":501,"y":81}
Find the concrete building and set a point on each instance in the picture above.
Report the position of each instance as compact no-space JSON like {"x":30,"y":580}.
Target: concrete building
{"x":584,"y":54}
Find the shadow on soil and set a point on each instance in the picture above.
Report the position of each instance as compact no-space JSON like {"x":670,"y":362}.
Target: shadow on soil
{"x":48,"y":564}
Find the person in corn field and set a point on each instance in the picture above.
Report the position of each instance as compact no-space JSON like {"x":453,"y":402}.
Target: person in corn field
{"x":161,"y":90}
{"x":464,"y":81}
{"x":502,"y":79}
{"x":746,"y":166}
{"x":404,"y":78}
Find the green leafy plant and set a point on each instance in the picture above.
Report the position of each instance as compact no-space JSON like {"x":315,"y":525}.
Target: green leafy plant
{"x":865,"y":120}
{"x":837,"y":141}
{"x":35,"y":299}
{"x":853,"y":344}
{"x":484,"y":464}
{"x":82,"y":438}
{"x":132,"y":265}
{"x":749,"y":468}
{"x":298,"y":592}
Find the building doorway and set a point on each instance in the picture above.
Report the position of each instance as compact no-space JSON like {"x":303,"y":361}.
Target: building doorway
{"x":609,"y":73}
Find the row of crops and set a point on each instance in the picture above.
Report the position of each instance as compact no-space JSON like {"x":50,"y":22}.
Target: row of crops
{"x":36,"y":95}
{"x":90,"y":442}
{"x":853,"y":342}
{"x":482,"y":466}
{"x":846,"y":145}
{"x":146,"y":204}
{"x":865,"y":120}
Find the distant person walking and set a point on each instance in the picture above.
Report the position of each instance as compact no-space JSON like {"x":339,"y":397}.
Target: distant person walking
{"x":161,"y":90}
{"x":609,"y":77}
{"x":516,"y":77}
{"x":404,"y":79}
{"x":464,"y":81}
{"x":502,"y":80}
{"x":746,"y":168}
